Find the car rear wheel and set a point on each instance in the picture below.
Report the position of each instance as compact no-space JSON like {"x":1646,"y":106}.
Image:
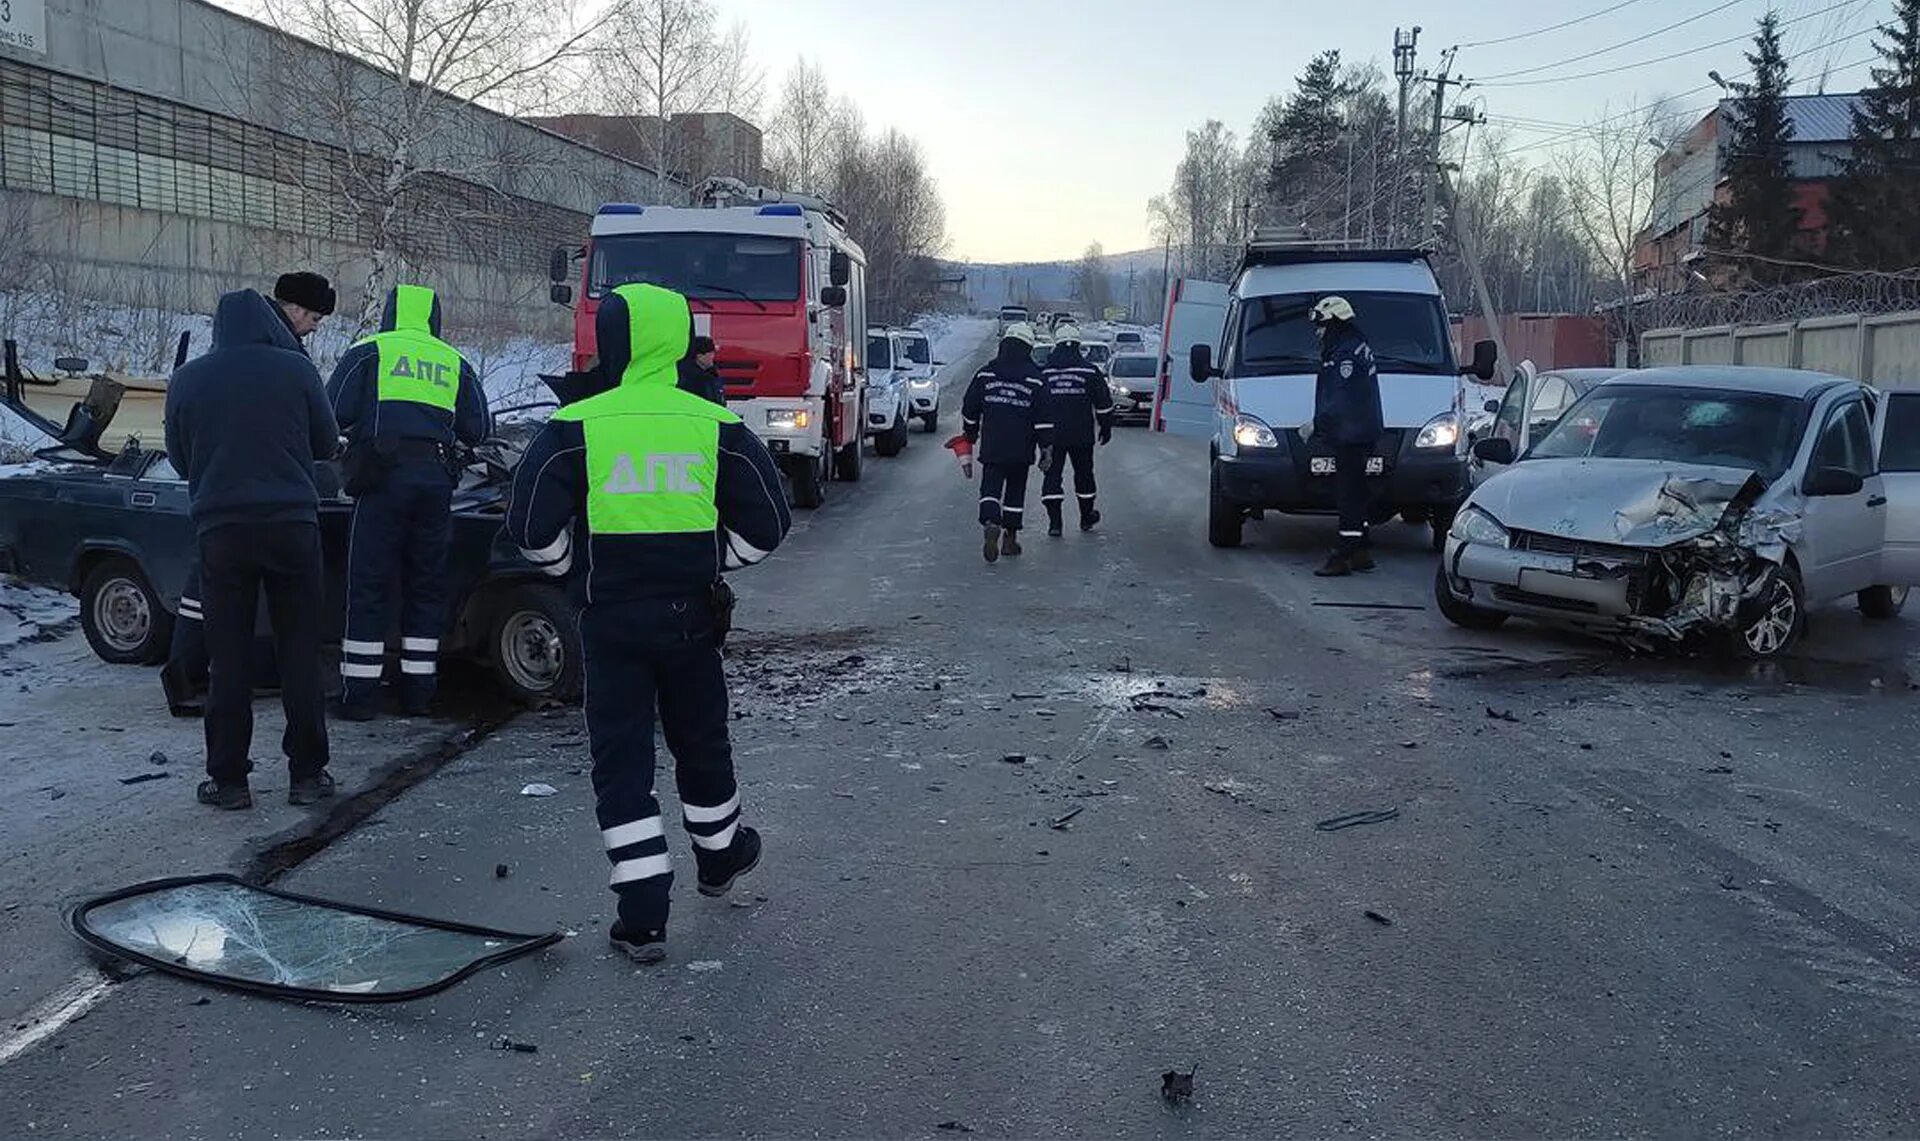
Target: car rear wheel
{"x":1776,"y":620}
{"x":535,"y":648}
{"x":1882,"y":603}
{"x":1458,"y":611}
{"x":122,"y":616}
{"x":1226,"y":522}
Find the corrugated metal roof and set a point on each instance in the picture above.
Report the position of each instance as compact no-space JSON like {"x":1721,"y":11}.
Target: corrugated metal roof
{"x":1817,"y":118}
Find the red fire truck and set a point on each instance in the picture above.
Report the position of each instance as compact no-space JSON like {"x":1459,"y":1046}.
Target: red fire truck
{"x":774,"y":279}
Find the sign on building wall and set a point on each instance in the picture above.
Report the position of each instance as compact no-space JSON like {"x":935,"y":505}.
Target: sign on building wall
{"x":23,"y":25}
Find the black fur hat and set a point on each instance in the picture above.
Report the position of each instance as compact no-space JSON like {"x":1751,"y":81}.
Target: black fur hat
{"x":307,"y":290}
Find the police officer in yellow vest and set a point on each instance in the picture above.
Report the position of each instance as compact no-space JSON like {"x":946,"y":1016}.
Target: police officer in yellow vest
{"x":403,"y":397}
{"x":644,"y":494}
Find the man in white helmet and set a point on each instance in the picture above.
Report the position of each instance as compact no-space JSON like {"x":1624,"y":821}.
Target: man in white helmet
{"x":1081,"y":407}
{"x":1005,"y":415}
{"x":1346,"y":417}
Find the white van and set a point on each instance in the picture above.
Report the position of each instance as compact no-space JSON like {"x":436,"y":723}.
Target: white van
{"x":1264,"y":383}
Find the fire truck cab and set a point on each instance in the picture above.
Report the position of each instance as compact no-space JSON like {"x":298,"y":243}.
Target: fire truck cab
{"x":781,"y":289}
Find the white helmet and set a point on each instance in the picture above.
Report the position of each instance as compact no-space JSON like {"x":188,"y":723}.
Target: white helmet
{"x":1067,"y":333}
{"x":1332,"y":308}
{"x":1020,"y":331}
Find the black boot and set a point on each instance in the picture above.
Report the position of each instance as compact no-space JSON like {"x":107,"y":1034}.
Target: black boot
{"x":1338,"y":565}
{"x":1010,"y":542}
{"x":1089,"y":518}
{"x":740,"y":859}
{"x":1361,"y":559}
{"x":992,"y":548}
{"x":643,"y":947}
{"x":214,"y":794}
{"x":1055,"y":526}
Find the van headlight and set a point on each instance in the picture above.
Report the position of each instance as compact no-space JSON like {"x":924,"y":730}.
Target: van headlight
{"x":1473,"y":525}
{"x":1249,"y":432}
{"x":1443,"y":431}
{"x":789,"y":419}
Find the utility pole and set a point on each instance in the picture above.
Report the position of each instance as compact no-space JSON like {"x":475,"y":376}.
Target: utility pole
{"x":1431,"y":179}
{"x":1404,"y":44}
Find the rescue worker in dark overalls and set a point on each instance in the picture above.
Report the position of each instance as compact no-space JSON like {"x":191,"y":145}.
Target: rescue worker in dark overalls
{"x":302,"y":299}
{"x":645,"y":494}
{"x":1081,"y":407}
{"x":1346,"y":416}
{"x":1004,"y":415}
{"x":403,"y":397}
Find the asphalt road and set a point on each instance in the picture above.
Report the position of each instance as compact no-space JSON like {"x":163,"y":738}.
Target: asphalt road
{"x":1620,"y":897}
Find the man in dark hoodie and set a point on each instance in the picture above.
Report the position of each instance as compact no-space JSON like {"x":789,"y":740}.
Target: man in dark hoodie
{"x":1346,"y":415}
{"x":1004,"y":415}
{"x":699,"y":374}
{"x":1081,"y":407}
{"x":657,"y":491}
{"x":403,"y":396}
{"x":246,"y":422}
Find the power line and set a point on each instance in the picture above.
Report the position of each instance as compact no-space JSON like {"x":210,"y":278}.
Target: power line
{"x":1659,"y":59}
{"x":1550,"y":27}
{"x":1583,"y":56}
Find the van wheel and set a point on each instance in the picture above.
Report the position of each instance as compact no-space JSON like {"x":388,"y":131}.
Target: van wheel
{"x":808,"y":477}
{"x":122,"y":616}
{"x":1462,"y":614}
{"x":1225,"y":520}
{"x":1882,"y":603}
{"x":535,"y":647}
{"x":893,"y":441}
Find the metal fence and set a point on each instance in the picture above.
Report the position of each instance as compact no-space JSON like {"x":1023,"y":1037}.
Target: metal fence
{"x":1882,"y":348}
{"x":1838,"y":295}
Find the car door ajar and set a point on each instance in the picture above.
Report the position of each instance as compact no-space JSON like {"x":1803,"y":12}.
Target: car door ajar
{"x":1508,"y":424}
{"x":1843,"y":534}
{"x":1898,"y":437}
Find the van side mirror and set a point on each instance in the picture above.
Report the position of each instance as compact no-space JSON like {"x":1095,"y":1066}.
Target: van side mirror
{"x":1486,"y":356}
{"x":1200,"y":363}
{"x":839,"y":268}
{"x":560,"y":264}
{"x":560,"y":294}
{"x":1828,"y":481}
{"x":1494,"y":450}
{"x":833,"y":296}
{"x":1491,"y":407}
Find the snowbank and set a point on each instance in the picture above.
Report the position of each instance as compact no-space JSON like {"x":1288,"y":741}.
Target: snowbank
{"x":28,"y":613}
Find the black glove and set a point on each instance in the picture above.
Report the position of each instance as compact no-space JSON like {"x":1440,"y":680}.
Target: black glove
{"x":724,"y":601}
{"x":1106,"y":433}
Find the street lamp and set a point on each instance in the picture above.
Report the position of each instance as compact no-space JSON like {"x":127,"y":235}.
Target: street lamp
{"x":1719,"y":82}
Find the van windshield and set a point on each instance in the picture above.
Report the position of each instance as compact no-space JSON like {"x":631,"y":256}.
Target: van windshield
{"x":1407,"y":331}
{"x":705,"y":267}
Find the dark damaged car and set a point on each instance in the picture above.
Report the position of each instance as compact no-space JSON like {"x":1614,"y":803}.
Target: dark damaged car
{"x":113,"y":529}
{"x":1675,"y":504}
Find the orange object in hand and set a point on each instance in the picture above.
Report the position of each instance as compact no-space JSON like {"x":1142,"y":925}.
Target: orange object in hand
{"x":962,"y":449}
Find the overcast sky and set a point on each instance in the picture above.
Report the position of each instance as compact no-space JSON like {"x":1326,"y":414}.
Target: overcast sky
{"x":1049,"y":123}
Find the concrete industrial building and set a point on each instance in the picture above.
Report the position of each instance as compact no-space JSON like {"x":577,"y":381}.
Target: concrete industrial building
{"x":700,"y":144}
{"x":154,"y":153}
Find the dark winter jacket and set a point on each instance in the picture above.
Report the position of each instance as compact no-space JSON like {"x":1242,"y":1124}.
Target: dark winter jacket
{"x":643,"y":344}
{"x":1346,"y":398}
{"x":1005,"y":410}
{"x":1078,"y":399}
{"x":355,"y":392}
{"x":288,"y":322}
{"x":702,"y":382}
{"x":247,"y":420}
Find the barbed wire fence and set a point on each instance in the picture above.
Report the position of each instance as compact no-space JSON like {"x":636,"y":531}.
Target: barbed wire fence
{"x":1842,"y":294}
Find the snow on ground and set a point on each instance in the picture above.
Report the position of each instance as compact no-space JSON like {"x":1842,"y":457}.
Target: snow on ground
{"x":30,"y":613}
{"x":953,"y":335}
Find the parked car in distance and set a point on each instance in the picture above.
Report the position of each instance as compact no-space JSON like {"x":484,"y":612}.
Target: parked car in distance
{"x":1128,"y":340}
{"x":1533,"y":404}
{"x":923,"y":376}
{"x":1098,"y":353}
{"x":1132,"y":377}
{"x":1011,"y":315}
{"x":886,"y":392}
{"x":1672,"y":503}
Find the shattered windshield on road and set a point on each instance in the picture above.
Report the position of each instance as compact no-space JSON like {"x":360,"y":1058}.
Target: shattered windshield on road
{"x":1754,"y":431}
{"x":221,"y":930}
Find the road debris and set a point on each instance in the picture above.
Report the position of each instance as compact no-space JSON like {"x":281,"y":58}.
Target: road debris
{"x":1379,"y":918}
{"x":954,"y":1127}
{"x":157,"y":758}
{"x":538,"y":789}
{"x":501,"y":871}
{"x":704,"y":966}
{"x":1284,"y":714}
{"x":1369,"y":606}
{"x":1061,"y":823}
{"x":1502,"y":715}
{"x":1177,"y":1087}
{"x":1409,"y":744}
{"x":1014,"y":759}
{"x":144,"y":778}
{"x":508,"y":1045}
{"x":1355,"y":819}
{"x":1156,"y":742}
{"x":1718,"y":770}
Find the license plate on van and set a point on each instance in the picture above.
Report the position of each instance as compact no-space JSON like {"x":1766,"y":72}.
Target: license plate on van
{"x":1324,"y":465}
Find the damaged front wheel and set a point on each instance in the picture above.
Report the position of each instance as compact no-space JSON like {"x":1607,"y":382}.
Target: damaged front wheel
{"x":1775,"y":619}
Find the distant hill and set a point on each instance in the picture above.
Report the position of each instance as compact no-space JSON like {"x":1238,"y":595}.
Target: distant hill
{"x":989,"y":286}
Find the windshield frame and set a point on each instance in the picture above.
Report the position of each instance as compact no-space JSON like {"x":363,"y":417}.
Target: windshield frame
{"x":1237,"y":364}
{"x":907,"y":343}
{"x":884,"y":340}
{"x":1800,"y":407}
{"x":598,"y":285}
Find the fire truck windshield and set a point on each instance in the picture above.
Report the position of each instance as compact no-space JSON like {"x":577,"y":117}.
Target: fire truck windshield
{"x":702,"y":266}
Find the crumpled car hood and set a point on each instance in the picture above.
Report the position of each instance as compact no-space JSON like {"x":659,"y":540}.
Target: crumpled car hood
{"x":1632,"y":503}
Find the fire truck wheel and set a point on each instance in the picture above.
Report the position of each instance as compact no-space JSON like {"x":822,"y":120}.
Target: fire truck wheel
{"x":808,"y":477}
{"x":848,"y":461}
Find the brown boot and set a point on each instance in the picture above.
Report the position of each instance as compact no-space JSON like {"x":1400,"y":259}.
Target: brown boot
{"x":1010,"y":543}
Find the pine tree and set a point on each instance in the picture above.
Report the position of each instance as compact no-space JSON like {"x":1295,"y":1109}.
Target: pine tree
{"x":1304,"y":137}
{"x":1875,"y":208}
{"x":1758,"y":216}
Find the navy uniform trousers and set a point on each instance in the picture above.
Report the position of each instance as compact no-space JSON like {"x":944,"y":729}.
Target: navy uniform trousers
{"x":651,"y":660}
{"x":397,"y":549}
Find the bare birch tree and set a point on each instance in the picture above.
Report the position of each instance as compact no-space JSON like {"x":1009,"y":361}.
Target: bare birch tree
{"x":803,"y":128}
{"x":1608,"y":179}
{"x":661,"y":55}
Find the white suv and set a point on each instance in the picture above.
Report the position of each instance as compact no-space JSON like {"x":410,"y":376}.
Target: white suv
{"x":886,"y":391}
